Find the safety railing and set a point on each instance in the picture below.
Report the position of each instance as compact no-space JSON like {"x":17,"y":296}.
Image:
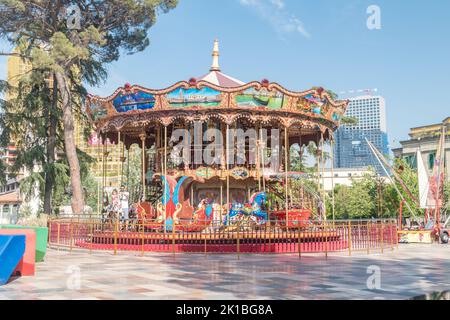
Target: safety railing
{"x":300,"y":237}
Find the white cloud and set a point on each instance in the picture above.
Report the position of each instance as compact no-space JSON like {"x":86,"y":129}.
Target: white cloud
{"x":274,"y":12}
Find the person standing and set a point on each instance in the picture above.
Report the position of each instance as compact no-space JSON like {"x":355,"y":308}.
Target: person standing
{"x":124,"y":197}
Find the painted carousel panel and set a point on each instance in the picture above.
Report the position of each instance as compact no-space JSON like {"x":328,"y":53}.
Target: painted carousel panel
{"x":132,"y":101}
{"x":313,"y":104}
{"x":272,"y":99}
{"x":193,"y":97}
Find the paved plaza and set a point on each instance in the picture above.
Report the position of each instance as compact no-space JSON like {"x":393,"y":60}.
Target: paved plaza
{"x":410,"y":271}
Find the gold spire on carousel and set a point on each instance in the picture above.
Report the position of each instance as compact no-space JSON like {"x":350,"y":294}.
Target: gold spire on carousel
{"x":215,"y":64}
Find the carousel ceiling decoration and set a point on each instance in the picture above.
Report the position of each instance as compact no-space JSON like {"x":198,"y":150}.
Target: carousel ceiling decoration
{"x":214,"y":95}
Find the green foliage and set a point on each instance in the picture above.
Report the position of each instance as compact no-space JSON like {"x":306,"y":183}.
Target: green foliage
{"x":374,"y":197}
{"x":355,"y":202}
{"x":447,"y":197}
{"x":410,"y":179}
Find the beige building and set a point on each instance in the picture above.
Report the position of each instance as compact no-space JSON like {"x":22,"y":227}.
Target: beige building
{"x":425,"y":139}
{"x":93,"y":148}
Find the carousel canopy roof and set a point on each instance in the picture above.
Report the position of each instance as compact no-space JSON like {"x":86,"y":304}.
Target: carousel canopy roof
{"x":215,"y":95}
{"x":220,"y":79}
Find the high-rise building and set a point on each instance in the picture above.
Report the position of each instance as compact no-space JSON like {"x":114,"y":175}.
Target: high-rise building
{"x":351,"y":148}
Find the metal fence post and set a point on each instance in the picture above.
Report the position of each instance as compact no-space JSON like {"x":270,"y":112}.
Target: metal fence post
{"x":381,"y":237}
{"x":142,"y":229}
{"x":116,"y":230}
{"x":349,"y":238}
{"x":299,"y":243}
{"x":205,"y":242}
{"x":238,"y":240}
{"x":173,"y":238}
{"x":58,"y":235}
{"x":376,"y":236}
{"x":326,"y":239}
{"x":91,"y":232}
{"x":71,"y":234}
{"x":391,"y":228}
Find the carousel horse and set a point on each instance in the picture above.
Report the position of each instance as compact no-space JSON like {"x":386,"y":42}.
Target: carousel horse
{"x":254,"y":210}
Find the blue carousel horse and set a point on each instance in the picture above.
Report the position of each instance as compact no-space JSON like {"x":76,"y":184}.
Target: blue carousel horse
{"x":255,"y":209}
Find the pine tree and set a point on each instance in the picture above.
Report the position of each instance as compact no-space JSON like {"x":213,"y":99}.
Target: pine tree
{"x":74,"y":40}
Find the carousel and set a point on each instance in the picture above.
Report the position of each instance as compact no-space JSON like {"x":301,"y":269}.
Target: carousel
{"x":249,"y":179}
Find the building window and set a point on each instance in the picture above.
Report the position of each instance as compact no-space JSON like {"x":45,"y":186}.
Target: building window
{"x":431,"y":159}
{"x":411,"y":161}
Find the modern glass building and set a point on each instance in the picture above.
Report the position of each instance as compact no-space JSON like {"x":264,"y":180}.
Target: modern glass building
{"x":351,"y":148}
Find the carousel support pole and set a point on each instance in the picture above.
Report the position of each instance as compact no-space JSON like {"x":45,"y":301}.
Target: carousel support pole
{"x":106,"y":161}
{"x":122,"y":160}
{"x":318,"y":166}
{"x":119,"y":171}
{"x":103,"y":168}
{"x":322,"y":159}
{"x":333,"y":202}
{"x":128,"y":168}
{"x":258,"y":163}
{"x":165,"y":174}
{"x":99,"y":193}
{"x":286,"y":169}
{"x":262,"y":159}
{"x":143,"y":137}
{"x":227,"y":156}
{"x":221,"y":202}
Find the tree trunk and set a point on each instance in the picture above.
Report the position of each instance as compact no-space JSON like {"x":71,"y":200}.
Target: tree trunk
{"x":51,"y":147}
{"x":69,"y":143}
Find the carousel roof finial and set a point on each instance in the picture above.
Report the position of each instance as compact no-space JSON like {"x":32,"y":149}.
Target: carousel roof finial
{"x":215,"y":64}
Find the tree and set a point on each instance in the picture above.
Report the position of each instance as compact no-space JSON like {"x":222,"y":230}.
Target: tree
{"x":76,"y":46}
{"x":357,"y":201}
{"x":30,"y":118}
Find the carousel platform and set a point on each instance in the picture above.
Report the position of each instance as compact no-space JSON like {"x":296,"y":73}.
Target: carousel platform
{"x":219,"y":242}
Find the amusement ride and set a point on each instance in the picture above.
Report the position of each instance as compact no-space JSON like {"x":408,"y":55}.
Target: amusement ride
{"x":216,"y":202}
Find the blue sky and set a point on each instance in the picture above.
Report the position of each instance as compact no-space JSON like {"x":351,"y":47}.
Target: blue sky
{"x":304,"y":43}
